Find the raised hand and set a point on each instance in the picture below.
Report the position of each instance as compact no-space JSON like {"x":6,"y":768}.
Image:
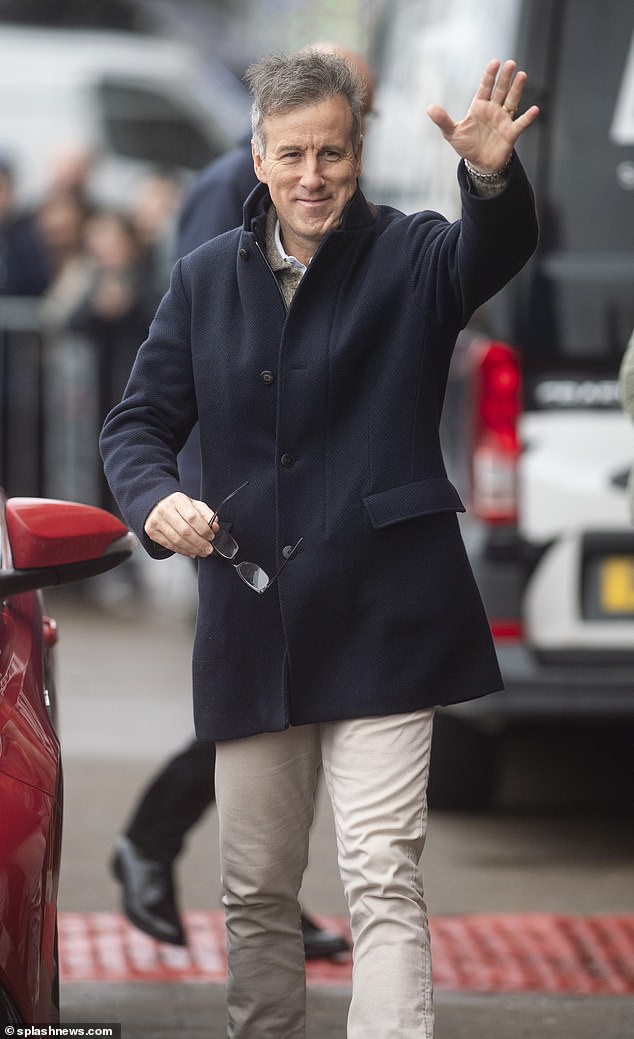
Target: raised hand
{"x":487,"y":134}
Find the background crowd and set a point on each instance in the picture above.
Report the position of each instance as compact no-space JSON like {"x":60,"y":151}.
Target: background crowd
{"x":92,"y":275}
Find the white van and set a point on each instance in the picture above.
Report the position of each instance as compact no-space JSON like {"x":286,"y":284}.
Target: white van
{"x":535,"y":437}
{"x":133,"y":101}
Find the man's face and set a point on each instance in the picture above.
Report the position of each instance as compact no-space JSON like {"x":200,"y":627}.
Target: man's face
{"x":311,"y":170}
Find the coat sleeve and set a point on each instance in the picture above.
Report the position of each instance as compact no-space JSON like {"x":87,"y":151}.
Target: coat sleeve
{"x":143,"y":434}
{"x":457,"y":267}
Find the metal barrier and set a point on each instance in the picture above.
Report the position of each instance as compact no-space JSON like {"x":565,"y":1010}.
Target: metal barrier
{"x":50,"y":413}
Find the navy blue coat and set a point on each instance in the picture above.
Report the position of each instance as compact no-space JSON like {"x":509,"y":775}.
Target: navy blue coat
{"x":378,"y":612}
{"x":213,"y":205}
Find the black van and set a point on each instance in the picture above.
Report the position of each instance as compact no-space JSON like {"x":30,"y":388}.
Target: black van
{"x":535,"y":437}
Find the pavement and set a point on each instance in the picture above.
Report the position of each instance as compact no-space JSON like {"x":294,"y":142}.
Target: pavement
{"x":197,"y":1012}
{"x":125,"y":705}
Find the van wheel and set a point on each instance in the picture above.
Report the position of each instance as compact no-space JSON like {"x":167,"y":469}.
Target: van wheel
{"x":464,"y":765}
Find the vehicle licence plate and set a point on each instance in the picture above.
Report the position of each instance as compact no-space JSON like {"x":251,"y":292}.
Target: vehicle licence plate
{"x":616,"y":584}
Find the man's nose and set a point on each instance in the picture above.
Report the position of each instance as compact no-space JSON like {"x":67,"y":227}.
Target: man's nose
{"x":312,"y":176}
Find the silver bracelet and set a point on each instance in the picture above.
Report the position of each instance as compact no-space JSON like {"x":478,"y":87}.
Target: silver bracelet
{"x":487,"y":178}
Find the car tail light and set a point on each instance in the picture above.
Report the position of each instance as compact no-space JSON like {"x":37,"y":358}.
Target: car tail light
{"x":497,"y":387}
{"x":506,"y":630}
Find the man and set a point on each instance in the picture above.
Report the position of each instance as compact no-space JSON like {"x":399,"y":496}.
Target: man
{"x":180,"y":793}
{"x":183,"y":789}
{"x":312,"y":347}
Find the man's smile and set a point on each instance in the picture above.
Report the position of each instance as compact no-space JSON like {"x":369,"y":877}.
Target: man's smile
{"x":314,"y":201}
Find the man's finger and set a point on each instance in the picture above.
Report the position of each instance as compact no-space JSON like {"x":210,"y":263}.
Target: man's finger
{"x":442,"y":119}
{"x":514,"y":93}
{"x":483,"y":93}
{"x":525,"y":120}
{"x":503,"y":83}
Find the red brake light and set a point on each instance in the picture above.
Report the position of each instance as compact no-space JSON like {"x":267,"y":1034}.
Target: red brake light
{"x":506,"y":630}
{"x":497,"y":387}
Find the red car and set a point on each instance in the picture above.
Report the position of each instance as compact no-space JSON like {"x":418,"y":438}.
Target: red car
{"x":43,"y":543}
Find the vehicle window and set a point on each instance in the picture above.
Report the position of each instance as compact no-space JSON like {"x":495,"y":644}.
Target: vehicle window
{"x":140,"y":123}
{"x":586,"y":274}
{"x":622,"y":129}
{"x":427,"y":52}
{"x":574,"y":303}
{"x":586,"y":158}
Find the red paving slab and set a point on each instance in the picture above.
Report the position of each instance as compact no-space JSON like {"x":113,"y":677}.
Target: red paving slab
{"x":483,"y":952}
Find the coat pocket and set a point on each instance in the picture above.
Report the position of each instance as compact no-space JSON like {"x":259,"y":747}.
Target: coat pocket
{"x":411,"y":500}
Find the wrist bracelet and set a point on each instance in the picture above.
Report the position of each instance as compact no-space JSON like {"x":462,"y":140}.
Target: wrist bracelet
{"x":487,"y":178}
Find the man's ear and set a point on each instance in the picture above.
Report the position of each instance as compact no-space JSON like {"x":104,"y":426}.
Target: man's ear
{"x":258,"y":164}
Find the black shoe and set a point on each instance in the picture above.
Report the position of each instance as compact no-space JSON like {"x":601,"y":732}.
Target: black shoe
{"x":149,"y":899}
{"x":319,"y":943}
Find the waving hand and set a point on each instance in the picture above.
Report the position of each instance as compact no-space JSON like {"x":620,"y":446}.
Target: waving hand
{"x":487,"y":134}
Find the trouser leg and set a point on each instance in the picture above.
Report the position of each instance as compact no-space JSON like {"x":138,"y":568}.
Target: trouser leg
{"x":265,"y":788}
{"x":173,"y":802}
{"x":376,"y":771}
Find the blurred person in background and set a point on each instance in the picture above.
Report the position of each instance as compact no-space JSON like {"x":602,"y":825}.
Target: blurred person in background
{"x":25,"y":269}
{"x":70,"y":168}
{"x":61,"y":218}
{"x":154,"y":213}
{"x":115,"y":307}
{"x":181,"y":792}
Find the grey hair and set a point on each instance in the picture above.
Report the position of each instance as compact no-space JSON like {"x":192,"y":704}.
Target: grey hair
{"x":279,"y":83}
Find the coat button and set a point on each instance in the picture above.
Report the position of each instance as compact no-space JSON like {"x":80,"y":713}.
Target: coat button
{"x":267,"y":377}
{"x":243,"y":254}
{"x":287,"y":551}
{"x":287,"y":461}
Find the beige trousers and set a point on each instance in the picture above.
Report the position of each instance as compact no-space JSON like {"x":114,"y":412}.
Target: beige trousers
{"x":376,"y":773}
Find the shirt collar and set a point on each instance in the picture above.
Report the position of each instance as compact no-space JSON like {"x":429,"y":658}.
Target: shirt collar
{"x":292,"y":260}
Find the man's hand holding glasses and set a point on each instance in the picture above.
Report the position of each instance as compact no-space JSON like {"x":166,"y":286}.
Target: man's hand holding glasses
{"x":181,"y":524}
{"x":190,"y":528}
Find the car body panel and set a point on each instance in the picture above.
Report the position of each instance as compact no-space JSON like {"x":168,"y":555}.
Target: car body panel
{"x":29,"y":745}
{"x":42,"y":543}
{"x":569,"y":471}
